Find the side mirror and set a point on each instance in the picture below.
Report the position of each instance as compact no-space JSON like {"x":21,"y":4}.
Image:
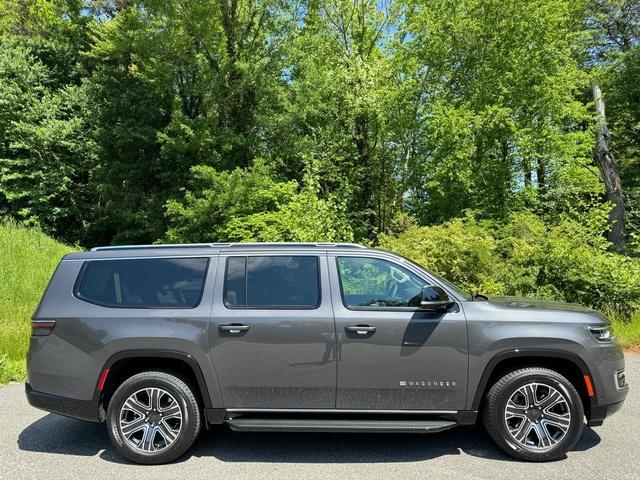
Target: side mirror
{"x":434,"y":299}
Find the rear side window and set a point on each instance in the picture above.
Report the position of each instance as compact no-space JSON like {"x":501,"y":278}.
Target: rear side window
{"x":272,"y":282}
{"x":143,"y":283}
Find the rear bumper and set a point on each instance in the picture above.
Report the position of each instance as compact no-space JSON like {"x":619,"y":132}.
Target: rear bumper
{"x":69,"y":407}
{"x":600,"y":412}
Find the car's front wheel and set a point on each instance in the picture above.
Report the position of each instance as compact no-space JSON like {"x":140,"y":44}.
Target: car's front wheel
{"x":534,"y":414}
{"x":153,"y":417}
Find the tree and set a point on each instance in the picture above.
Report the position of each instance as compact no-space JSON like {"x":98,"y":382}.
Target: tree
{"x":46,"y":155}
{"x":340,"y":91}
{"x":609,"y":171}
{"x":496,"y":85}
{"x":251,"y":205}
{"x":615,"y":27}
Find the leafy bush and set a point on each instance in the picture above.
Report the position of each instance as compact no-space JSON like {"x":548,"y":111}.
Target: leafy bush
{"x":523,"y":256}
{"x":252,"y":205}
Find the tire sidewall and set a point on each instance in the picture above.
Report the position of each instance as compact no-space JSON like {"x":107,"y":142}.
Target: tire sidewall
{"x":185,"y":437}
{"x":575,"y":407}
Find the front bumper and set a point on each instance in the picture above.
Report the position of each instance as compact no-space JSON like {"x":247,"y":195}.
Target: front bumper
{"x":69,"y":407}
{"x":600,"y":412}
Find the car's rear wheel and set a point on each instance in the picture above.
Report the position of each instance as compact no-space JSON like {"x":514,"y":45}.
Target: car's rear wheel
{"x":153,"y":417}
{"x":534,"y":414}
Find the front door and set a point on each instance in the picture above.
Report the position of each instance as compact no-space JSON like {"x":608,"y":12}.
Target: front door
{"x":272,"y":332}
{"x":391,"y":355}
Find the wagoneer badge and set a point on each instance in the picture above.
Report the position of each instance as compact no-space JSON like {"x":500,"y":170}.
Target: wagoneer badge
{"x":428,"y":384}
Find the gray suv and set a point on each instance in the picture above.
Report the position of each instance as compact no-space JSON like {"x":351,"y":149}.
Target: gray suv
{"x":158,"y":341}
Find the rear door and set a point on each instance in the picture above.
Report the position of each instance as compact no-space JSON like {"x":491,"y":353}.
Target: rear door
{"x":392,"y":355}
{"x":272,"y":332}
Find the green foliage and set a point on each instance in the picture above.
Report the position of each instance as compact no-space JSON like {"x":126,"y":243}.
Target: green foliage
{"x":26,"y":265}
{"x":45,"y":152}
{"x":523,"y":256}
{"x":251,"y":205}
{"x":496,"y":89}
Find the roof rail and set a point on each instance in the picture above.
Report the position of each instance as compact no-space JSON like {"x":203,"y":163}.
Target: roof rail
{"x":158,"y":245}
{"x":227,"y":245}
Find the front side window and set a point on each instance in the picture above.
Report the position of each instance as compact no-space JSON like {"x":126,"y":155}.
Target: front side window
{"x":372,"y":282}
{"x":143,"y":283}
{"x":272,"y":282}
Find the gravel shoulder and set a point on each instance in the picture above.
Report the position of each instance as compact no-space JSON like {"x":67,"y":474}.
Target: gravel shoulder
{"x":34,"y":444}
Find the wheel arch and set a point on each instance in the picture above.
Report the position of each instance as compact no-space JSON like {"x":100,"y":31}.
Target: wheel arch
{"x":567,"y":364}
{"x":129,"y":362}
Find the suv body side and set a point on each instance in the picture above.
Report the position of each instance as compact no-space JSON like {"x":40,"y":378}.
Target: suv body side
{"x":308,"y":353}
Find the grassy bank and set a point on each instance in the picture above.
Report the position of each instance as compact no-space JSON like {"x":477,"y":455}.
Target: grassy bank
{"x":27,"y":259}
{"x":627,"y":331}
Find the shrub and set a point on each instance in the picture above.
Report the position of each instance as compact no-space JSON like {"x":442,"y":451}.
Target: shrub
{"x":523,"y":256}
{"x":252,"y":205}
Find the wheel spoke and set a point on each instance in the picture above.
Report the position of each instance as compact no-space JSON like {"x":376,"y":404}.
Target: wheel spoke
{"x":530,"y":394}
{"x":171,"y":412}
{"x":561,"y":421}
{"x":146,"y":444}
{"x":132,"y":427}
{"x":514,"y":410}
{"x":521,"y":432}
{"x":167,"y":433}
{"x":543,"y":436}
{"x":135,"y":406}
{"x":154,"y":398}
{"x":553,"y":398}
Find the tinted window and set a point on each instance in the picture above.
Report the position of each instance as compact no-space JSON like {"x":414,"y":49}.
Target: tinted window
{"x":272,"y":282}
{"x":371,"y":282}
{"x":143,"y":283}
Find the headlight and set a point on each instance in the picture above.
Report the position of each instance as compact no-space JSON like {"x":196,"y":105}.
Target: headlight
{"x":602,"y":334}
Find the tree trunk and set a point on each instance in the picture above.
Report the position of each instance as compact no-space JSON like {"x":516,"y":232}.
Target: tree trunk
{"x":540,"y":174}
{"x":526,"y":168}
{"x":609,"y":171}
{"x":364,"y":163}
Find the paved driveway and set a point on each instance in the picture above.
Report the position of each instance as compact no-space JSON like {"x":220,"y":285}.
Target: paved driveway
{"x":36,"y":445}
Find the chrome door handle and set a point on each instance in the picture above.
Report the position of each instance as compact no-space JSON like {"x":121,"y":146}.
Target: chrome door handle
{"x":360,"y":329}
{"x":234,"y":328}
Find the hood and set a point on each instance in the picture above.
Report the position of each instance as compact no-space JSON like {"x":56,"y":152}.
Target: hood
{"x":520,"y":303}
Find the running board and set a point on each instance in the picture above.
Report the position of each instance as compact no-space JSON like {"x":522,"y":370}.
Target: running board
{"x":319,"y":425}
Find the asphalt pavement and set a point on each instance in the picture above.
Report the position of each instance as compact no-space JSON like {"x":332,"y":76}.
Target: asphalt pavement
{"x":34,"y":445}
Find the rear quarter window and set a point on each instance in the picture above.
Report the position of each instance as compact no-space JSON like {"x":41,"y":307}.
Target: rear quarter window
{"x":143,"y":283}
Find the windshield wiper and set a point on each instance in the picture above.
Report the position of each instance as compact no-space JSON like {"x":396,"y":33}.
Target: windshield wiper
{"x":479,"y":296}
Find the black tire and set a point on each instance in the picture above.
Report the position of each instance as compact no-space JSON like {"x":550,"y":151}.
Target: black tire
{"x":190,"y":421}
{"x":495,"y":404}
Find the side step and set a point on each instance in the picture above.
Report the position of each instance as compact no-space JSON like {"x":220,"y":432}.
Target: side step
{"x":319,"y":425}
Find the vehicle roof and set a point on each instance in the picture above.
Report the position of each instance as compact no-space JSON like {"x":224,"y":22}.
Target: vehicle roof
{"x":191,"y":249}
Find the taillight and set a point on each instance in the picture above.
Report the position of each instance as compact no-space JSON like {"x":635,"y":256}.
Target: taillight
{"x":41,"y":328}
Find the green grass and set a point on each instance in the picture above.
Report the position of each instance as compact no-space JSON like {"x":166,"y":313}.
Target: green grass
{"x":27,"y":260}
{"x":627,"y":331}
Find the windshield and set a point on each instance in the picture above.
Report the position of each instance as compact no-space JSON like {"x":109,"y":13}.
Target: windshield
{"x":458,"y":290}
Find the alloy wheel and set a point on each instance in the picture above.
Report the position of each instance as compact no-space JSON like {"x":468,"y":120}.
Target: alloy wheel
{"x":537,"y":416}
{"x":150,"y":420}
